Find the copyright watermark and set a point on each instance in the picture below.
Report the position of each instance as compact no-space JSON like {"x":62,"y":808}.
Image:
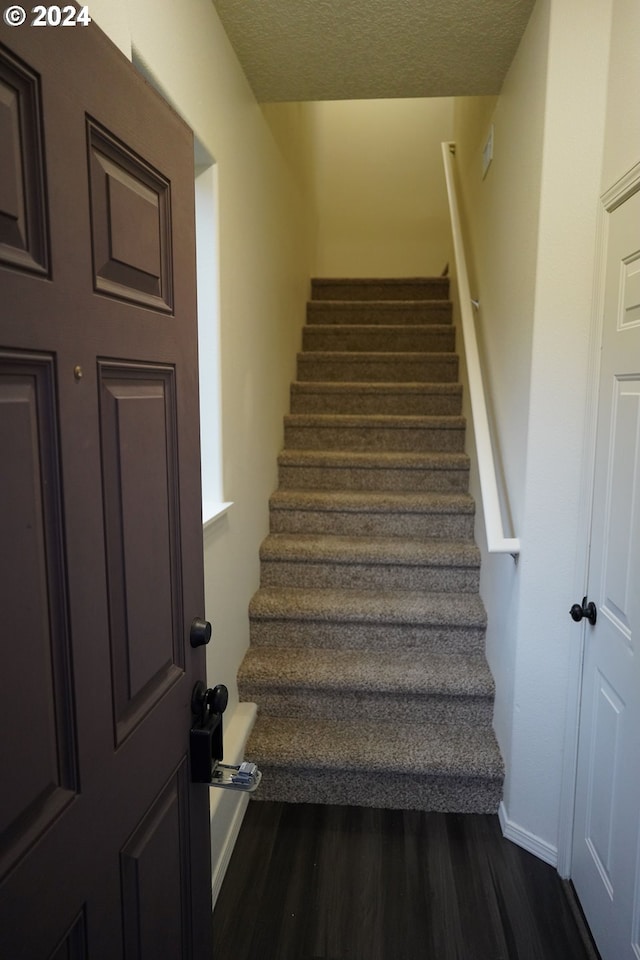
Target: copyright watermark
{"x":14,"y":16}
{"x":47,"y":16}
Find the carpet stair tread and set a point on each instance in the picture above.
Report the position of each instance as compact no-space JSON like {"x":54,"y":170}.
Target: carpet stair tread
{"x":415,"y":357}
{"x":367,"y":606}
{"x":386,"y":366}
{"x":399,"y":421}
{"x":374,"y":470}
{"x":380,"y":288}
{"x":384,"y":312}
{"x":374,"y":747}
{"x":394,"y":674}
{"x":421,"y":460}
{"x":373,"y":501}
{"x":384,"y":338}
{"x":372,"y":550}
{"x":316,"y":396}
{"x":323,"y":431}
{"x":410,"y":515}
{"x":377,"y":387}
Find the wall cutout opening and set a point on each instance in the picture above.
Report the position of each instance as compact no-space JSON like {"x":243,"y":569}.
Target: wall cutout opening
{"x":206,"y":199}
{"x":207,"y":267}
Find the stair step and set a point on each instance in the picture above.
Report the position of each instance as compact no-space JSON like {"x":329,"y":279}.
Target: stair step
{"x":351,"y":684}
{"x":392,"y":471}
{"x":380,"y":288}
{"x":436,"y":338}
{"x":439,"y":399}
{"x":437,"y":767}
{"x":368,"y":619}
{"x":381,"y":311}
{"x":316,"y":560}
{"x":373,"y":513}
{"x":367,"y":634}
{"x":376,"y":367}
{"x":316,"y":431}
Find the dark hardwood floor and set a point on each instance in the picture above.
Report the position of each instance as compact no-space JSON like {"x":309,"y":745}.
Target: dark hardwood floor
{"x":309,"y":882}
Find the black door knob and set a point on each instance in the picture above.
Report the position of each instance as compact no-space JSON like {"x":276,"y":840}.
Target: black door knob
{"x":205,"y":702}
{"x":200,"y":632}
{"x":218,"y":698}
{"x":587,"y":610}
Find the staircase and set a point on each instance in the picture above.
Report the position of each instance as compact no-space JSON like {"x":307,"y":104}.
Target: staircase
{"x":367,"y":633}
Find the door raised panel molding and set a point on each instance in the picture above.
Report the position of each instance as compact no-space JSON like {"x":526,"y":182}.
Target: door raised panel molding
{"x":23,"y":216}
{"x":35,"y":695}
{"x":139,"y":472}
{"x":630,"y":296}
{"x":74,"y":942}
{"x":621,"y":504}
{"x":130,"y":224}
{"x":154,"y":874}
{"x":607,"y":711}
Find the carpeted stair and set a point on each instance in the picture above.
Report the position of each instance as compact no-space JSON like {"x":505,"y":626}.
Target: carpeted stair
{"x":367,"y":633}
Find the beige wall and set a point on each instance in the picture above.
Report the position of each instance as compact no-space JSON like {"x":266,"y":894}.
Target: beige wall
{"x":622,"y":141}
{"x":293,"y":128}
{"x":379,"y":186}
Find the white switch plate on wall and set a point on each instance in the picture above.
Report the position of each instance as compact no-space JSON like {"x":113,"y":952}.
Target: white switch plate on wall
{"x":487,"y":152}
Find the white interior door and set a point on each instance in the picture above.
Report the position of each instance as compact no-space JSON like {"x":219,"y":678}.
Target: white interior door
{"x":606,"y":842}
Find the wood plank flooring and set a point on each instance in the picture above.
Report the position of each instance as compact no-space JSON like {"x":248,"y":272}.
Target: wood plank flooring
{"x":311,"y":882}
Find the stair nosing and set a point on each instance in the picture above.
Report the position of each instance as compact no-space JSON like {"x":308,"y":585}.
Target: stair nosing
{"x":419,"y":356}
{"x":373,"y":501}
{"x":345,"y":550}
{"x":435,"y":421}
{"x":373,"y":386}
{"x":384,"y":327}
{"x":395,"y":459}
{"x":435,"y":302}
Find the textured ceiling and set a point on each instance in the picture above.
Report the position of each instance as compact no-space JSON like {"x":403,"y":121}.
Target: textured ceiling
{"x":364,"y":49}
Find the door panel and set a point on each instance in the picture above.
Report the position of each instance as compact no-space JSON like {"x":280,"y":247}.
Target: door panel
{"x":23,"y":215}
{"x":107,"y":841}
{"x":606,"y":831}
{"x":41,"y":762}
{"x":619,"y":533}
{"x":607,"y":711}
{"x":155,"y":872}
{"x":131,"y":223}
{"x":139,"y":468}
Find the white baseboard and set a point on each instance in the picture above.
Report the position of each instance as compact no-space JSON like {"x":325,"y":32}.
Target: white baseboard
{"x":528,"y":841}
{"x":219,"y":868}
{"x":227,"y":807}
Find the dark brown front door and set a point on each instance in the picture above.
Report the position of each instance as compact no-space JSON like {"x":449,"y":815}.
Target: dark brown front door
{"x":104,"y":842}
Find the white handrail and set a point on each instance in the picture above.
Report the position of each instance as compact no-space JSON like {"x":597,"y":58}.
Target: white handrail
{"x":496,"y":540}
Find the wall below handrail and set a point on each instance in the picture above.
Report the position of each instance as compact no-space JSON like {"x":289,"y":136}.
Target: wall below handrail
{"x":497,"y":542}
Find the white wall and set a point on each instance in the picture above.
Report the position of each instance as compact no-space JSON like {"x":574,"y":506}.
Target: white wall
{"x":573,"y":142}
{"x":540,"y":215}
{"x":379,"y":187}
{"x":502,"y":237}
{"x":266,"y":230}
